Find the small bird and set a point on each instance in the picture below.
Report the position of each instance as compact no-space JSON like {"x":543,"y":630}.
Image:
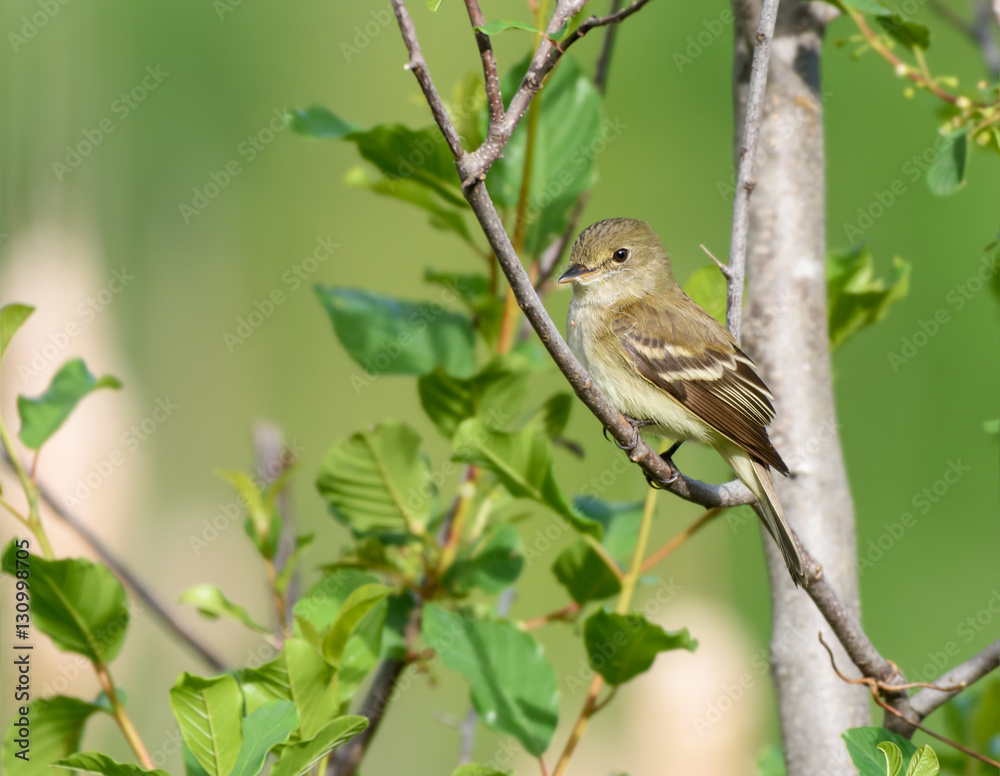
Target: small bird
{"x":665,"y":363}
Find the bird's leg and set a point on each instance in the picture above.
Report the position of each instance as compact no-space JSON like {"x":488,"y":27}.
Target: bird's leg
{"x":637,"y":426}
{"x":667,"y":459}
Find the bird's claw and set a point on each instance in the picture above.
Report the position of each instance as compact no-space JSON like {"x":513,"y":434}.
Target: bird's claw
{"x":668,"y":460}
{"x":637,"y":426}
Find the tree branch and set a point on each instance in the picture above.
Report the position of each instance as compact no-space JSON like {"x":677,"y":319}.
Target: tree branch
{"x":745,"y":180}
{"x":147,"y":596}
{"x":971,"y":671}
{"x":494,"y":99}
{"x":474,"y":166}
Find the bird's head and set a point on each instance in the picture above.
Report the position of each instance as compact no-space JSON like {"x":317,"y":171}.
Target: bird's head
{"x":617,"y":260}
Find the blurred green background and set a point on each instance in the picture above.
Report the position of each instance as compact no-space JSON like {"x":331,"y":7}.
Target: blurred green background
{"x":226,"y":70}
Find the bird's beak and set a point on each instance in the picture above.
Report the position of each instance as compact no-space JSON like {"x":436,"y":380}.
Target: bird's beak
{"x":576,"y":272}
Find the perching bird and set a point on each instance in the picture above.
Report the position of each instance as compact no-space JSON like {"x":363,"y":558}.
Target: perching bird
{"x":666,"y":363}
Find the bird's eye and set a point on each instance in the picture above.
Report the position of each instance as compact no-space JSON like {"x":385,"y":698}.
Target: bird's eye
{"x":620,"y":255}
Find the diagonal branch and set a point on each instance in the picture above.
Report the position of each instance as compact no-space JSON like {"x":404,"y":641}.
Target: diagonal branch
{"x":972,"y":670}
{"x":124,"y":573}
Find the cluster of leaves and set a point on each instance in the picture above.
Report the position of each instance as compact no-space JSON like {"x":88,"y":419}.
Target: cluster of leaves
{"x":289,"y":708}
{"x":963,"y":118}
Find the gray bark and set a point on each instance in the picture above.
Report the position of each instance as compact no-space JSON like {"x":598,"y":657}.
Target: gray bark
{"x":786,"y":333}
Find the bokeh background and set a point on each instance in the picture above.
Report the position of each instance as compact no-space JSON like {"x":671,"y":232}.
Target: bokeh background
{"x":225,"y":70}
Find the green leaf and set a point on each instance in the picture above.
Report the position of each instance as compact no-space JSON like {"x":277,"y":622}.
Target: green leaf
{"x":265,"y":728}
{"x":570,"y":134}
{"x":378,"y":481}
{"x":209,"y":712}
{"x":855,"y":297}
{"x":296,"y":760}
{"x":947,"y":174}
{"x":923,"y":763}
{"x":300,"y":675}
{"x":493,"y":564}
{"x":389,"y":336}
{"x":619,"y":519}
{"x":522,"y":462}
{"x":495,"y":28}
{"x":95,"y":762}
{"x":514,"y":688}
{"x":433,"y":5}
{"x":552,"y":416}
{"x":908,"y":34}
{"x":444,"y":216}
{"x":474,"y":769}
{"x":320,"y":604}
{"x":77,"y":603}
{"x":355,"y":608}
{"x":397,"y":151}
{"x":893,"y":757}
{"x":493,"y":395}
{"x":212,"y":603}
{"x":584,"y":573}
{"x":253,"y":499}
{"x":191,"y":765}
{"x":474,"y":290}
{"x":862,"y":746}
{"x":317,"y":121}
{"x":622,"y":646}
{"x":707,"y":287}
{"x":42,"y":416}
{"x":12,"y":316}
{"x":54,"y":731}
{"x":318,"y":611}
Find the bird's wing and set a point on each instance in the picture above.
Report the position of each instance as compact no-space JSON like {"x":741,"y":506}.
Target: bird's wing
{"x":710,"y":376}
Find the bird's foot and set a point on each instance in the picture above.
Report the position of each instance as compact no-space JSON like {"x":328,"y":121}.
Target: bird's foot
{"x":637,"y":426}
{"x":668,"y":460}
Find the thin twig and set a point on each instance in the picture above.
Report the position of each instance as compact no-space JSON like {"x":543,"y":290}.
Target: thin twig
{"x":969,"y":672}
{"x":679,"y":539}
{"x":604,"y":60}
{"x":723,"y":268}
{"x":745,"y":180}
{"x":125,"y":574}
{"x":494,"y":98}
{"x":567,"y":613}
{"x":474,"y":166}
{"x":979,"y":30}
{"x":877,"y":687}
{"x":418,"y":66}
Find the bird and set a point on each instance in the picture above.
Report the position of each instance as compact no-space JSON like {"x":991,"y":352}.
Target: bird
{"x":667,"y":365}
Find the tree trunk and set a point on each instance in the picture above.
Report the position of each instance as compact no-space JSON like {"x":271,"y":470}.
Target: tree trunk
{"x":786,"y":333}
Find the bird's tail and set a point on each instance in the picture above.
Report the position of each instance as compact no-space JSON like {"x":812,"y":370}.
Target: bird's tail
{"x":757,"y":477}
